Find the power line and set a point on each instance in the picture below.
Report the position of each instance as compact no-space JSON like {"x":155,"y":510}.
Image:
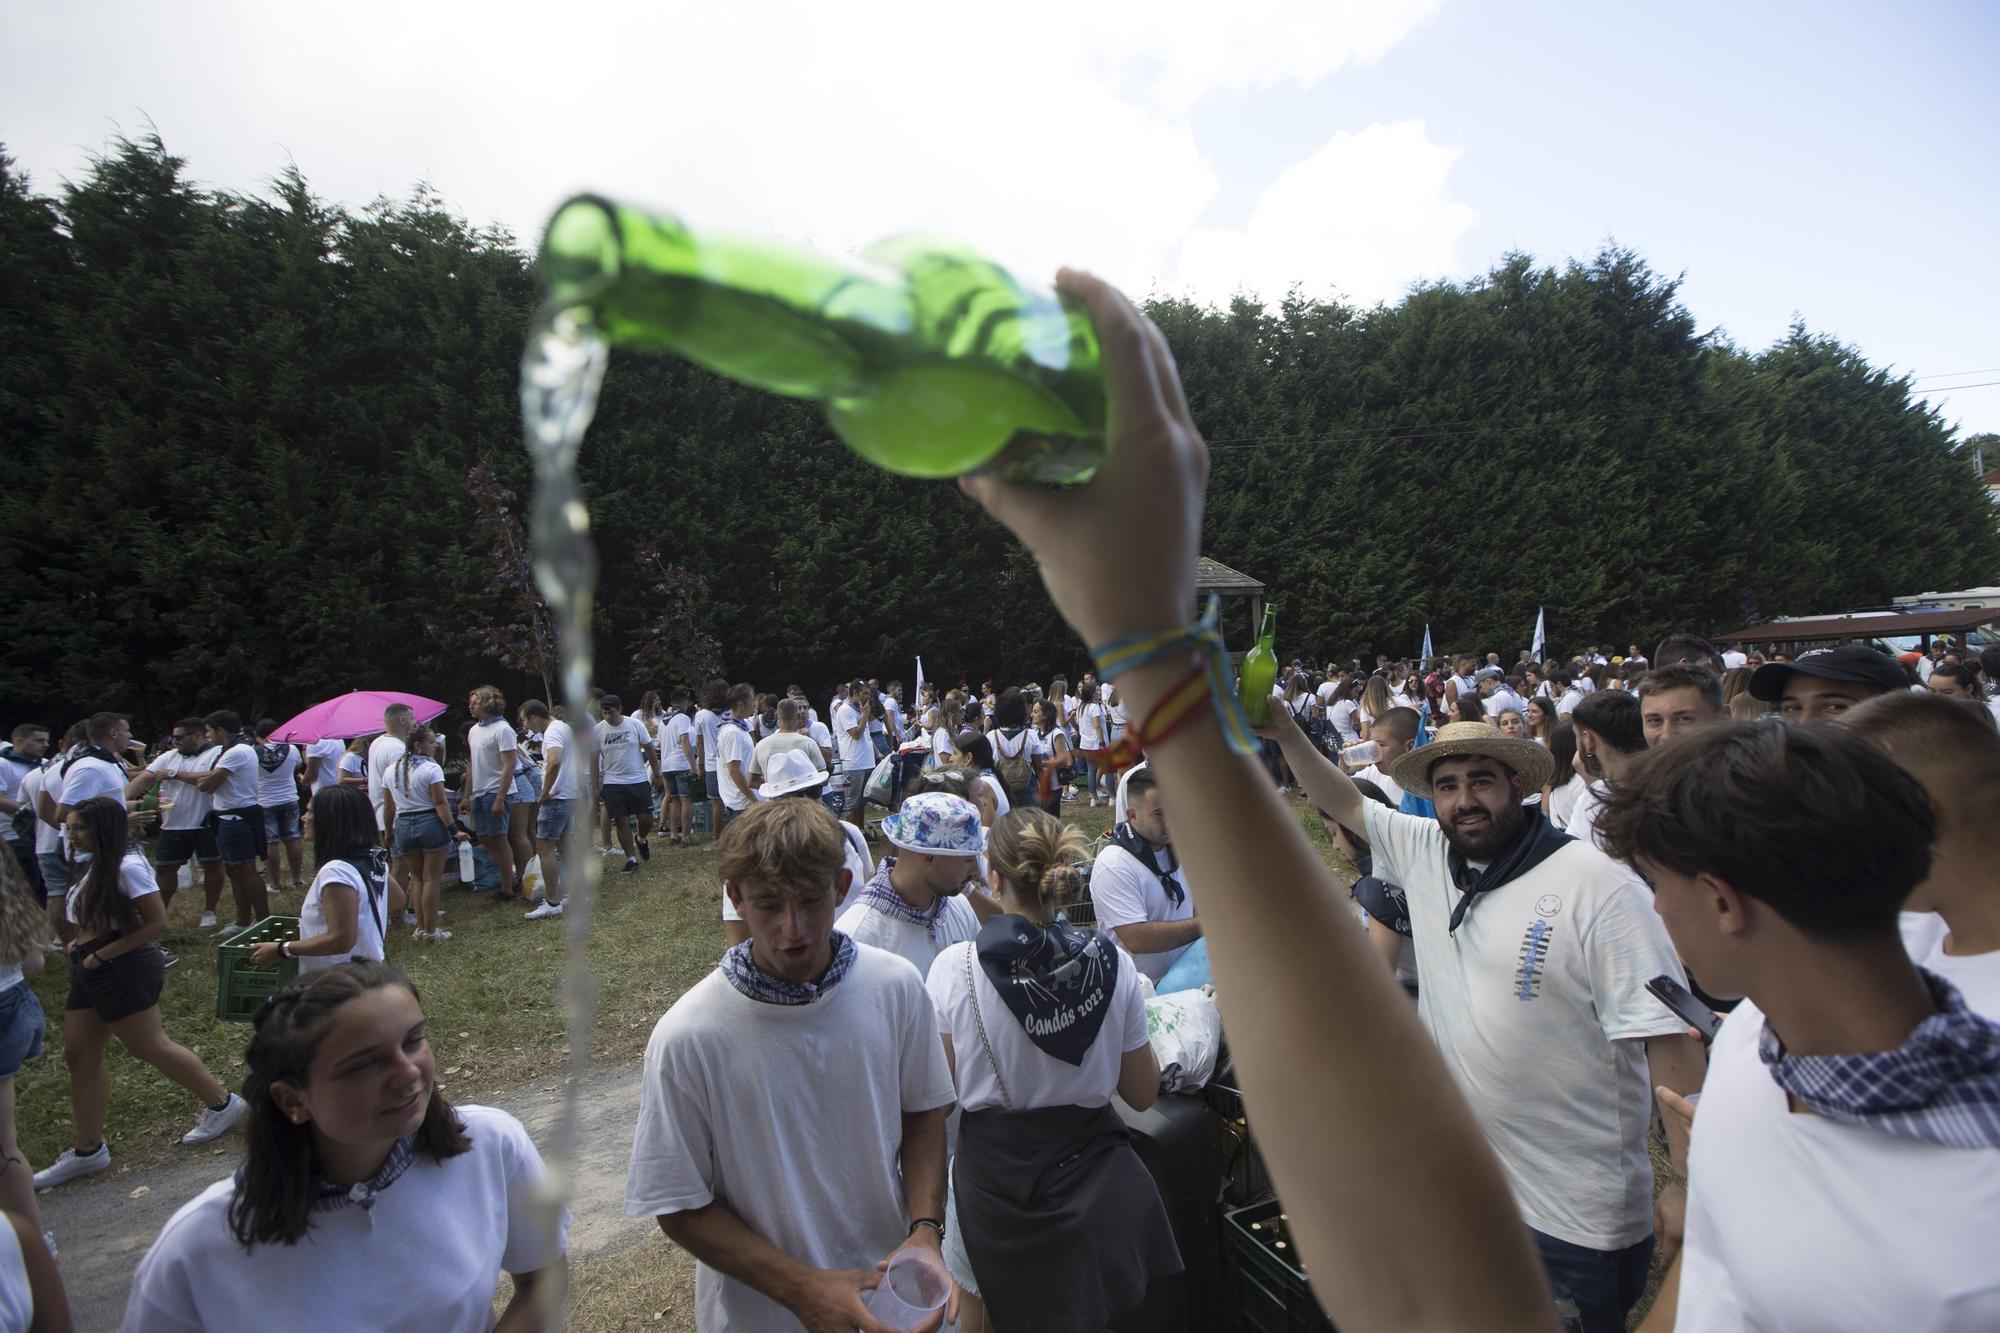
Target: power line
{"x":1954,"y":374}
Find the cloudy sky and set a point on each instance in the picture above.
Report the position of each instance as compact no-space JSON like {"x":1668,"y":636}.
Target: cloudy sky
{"x":1824,"y":161}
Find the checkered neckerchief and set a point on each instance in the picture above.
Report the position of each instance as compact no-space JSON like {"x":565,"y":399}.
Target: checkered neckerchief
{"x":1942,"y":1085}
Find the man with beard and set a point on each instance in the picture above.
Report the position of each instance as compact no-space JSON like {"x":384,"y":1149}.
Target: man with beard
{"x":1138,"y":889}
{"x":1535,"y":949}
{"x":914,"y":906}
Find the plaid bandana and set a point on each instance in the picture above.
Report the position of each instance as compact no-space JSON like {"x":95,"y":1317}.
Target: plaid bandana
{"x":1942,"y":1085}
{"x":764,"y":988}
{"x":879,"y":895}
{"x":329,"y":1197}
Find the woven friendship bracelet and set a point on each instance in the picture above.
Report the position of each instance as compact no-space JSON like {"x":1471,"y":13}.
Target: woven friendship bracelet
{"x":1213,"y":677}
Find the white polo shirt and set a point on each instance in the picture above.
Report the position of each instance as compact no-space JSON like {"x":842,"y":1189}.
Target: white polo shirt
{"x":1538,"y":1004}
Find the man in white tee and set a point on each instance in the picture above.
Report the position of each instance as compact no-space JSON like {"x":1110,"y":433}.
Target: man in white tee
{"x":1138,"y":888}
{"x":1535,"y":950}
{"x":736,"y":753}
{"x":23,"y":754}
{"x":1610,"y":734}
{"x":790,"y":735}
{"x":1955,"y":753}
{"x":184,"y":834}
{"x":556,"y":808}
{"x":383,"y":752}
{"x":1845,"y":1167}
{"x":1393,"y":734}
{"x":627,"y":762}
{"x":231,"y":781}
{"x":917,"y":903}
{"x":792,"y":1105}
{"x":850,"y":738}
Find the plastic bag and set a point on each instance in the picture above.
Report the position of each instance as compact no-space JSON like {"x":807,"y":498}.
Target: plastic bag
{"x":531,"y":877}
{"x":1186,"y":1031}
{"x":881,"y":783}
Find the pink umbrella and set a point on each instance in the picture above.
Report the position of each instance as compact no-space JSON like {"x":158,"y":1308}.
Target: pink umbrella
{"x":356,"y":713}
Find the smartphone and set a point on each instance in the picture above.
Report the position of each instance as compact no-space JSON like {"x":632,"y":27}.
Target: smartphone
{"x":1689,"y":1010}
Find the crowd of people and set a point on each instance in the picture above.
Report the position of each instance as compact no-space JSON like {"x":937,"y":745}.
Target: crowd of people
{"x":1745,"y":907}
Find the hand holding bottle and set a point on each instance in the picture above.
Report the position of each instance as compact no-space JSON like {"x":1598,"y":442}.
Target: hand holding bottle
{"x":1144,"y":503}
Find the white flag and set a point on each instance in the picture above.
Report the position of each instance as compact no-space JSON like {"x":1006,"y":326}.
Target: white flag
{"x":1540,"y":645}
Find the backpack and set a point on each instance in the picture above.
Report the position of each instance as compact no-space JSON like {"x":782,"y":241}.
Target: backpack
{"x":22,"y":821}
{"x":1015,"y":772}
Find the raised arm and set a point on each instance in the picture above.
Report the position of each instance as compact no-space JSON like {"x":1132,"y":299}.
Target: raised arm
{"x":1419,"y":1232}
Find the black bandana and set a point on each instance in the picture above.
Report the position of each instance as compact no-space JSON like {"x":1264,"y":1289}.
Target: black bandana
{"x":1537,"y":841}
{"x":91,"y":750}
{"x":1142,"y":851}
{"x":270,"y":756}
{"x":1057,"y":981}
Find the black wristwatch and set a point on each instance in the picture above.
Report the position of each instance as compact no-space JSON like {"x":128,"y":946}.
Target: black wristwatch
{"x":930,"y":1222}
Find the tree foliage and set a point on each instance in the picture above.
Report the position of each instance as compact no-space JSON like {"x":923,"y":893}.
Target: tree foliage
{"x":244,"y":439}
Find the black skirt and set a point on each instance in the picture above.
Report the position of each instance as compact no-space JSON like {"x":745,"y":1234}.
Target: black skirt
{"x":1062,"y":1222}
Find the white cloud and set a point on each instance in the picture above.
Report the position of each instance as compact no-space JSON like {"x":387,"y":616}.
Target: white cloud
{"x":1046,"y":132}
{"x":1363,"y":216}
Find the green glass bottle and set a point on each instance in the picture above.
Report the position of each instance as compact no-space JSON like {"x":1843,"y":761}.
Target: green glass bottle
{"x":1260,"y":672}
{"x":930,"y":359}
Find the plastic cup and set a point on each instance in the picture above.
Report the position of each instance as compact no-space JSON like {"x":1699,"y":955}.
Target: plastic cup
{"x":915,"y":1287}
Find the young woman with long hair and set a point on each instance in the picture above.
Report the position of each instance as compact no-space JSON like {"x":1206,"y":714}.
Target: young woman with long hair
{"x":1542,"y":719}
{"x":115,"y":976}
{"x":421,"y":829}
{"x":1043,"y":1022}
{"x":1376,"y":699}
{"x":23,"y":929}
{"x":365,"y":1199}
{"x":345,"y":914}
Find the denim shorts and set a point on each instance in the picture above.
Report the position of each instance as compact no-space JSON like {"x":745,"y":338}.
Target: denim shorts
{"x":526,"y":791}
{"x":484,"y":822}
{"x":21,"y":1028}
{"x":281,"y":822}
{"x":239,"y":835}
{"x":421,"y":831}
{"x":552,"y":821}
{"x":55,"y":873}
{"x":683,"y":783}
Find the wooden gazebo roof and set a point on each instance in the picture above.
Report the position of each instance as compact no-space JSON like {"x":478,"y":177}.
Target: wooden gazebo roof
{"x":1216,"y":577}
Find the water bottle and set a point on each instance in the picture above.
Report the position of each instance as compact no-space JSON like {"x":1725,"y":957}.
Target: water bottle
{"x":465,"y":870}
{"x":930,"y":359}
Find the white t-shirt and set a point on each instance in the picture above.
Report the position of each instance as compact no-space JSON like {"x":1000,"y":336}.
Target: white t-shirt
{"x":424,"y":1259}
{"x":1021,"y":746}
{"x":1563,"y":800}
{"x":1570,"y":699}
{"x":906,"y":939}
{"x":780,"y":741}
{"x":705,"y":723}
{"x":239,"y":790}
{"x":1977,"y":976}
{"x":279,"y":785}
{"x":487,"y":742}
{"x":1376,"y":775}
{"x":733,"y":745}
{"x":1733,"y":658}
{"x":1034,"y":1077}
{"x":1327,"y":689}
{"x":557,"y":735}
{"x":1582,"y":821}
{"x":12,"y":773}
{"x":1093,"y":725}
{"x":48,"y":838}
{"x":855,"y":752}
{"x":672,"y":732}
{"x":721,"y":1116}
{"x":1795,"y":1221}
{"x":328,"y":752}
{"x":621,"y":752}
{"x":383,"y":751}
{"x":1343,"y":718}
{"x":411,"y":786}
{"x":1922,"y":932}
{"x":135,"y":881}
{"x":190,"y":806}
{"x":1124,"y":892}
{"x":821,"y":737}
{"x":87,"y":778}
{"x":1538,"y":1005}
{"x":370,"y":915}
{"x":354,"y":765}
{"x":1503,"y":699}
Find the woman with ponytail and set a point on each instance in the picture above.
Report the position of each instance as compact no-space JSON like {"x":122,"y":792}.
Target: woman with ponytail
{"x":1042,"y":1022}
{"x":365,"y":1199}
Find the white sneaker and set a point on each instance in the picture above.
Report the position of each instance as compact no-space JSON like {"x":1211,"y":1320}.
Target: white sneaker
{"x":440,"y":935}
{"x":207,"y":921}
{"x":213,"y":1124}
{"x":409,"y":917}
{"x":545,"y":911}
{"x":68,"y":1166}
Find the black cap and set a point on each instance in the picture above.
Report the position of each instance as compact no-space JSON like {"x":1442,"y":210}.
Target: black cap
{"x":610,"y":703}
{"x":1850,"y":662}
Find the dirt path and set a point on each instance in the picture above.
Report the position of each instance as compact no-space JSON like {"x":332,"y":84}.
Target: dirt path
{"x":103,"y":1230}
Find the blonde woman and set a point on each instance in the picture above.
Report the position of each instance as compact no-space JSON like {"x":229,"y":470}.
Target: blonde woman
{"x":23,"y":930}
{"x":1042,"y":1022}
{"x":1375,"y":701}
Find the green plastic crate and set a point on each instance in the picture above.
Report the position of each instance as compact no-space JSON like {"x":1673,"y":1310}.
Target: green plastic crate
{"x":240,"y":987}
{"x":1267,"y":1289}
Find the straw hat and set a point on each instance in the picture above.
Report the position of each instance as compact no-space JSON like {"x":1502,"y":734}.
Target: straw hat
{"x":1412,"y":772}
